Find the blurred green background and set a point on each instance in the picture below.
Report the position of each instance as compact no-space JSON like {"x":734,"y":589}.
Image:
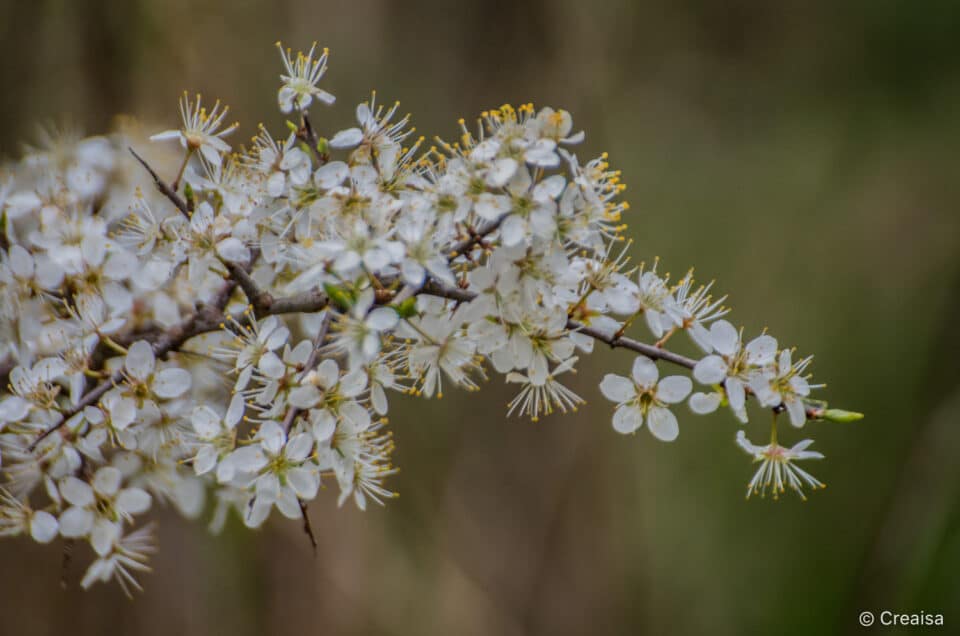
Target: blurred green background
{"x":803,"y":153}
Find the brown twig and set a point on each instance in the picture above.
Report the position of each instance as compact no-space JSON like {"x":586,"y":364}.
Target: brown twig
{"x":311,"y":362}
{"x":477,"y":237}
{"x":162,"y":186}
{"x":309,"y":135}
{"x":653,"y":352}
{"x":307,"y":528}
{"x":207,"y":317}
{"x":259,"y":299}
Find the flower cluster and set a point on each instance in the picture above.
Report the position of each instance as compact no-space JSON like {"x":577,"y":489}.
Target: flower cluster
{"x":236,"y":332}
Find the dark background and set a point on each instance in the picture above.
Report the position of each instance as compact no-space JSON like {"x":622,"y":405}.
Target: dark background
{"x":803,"y":153}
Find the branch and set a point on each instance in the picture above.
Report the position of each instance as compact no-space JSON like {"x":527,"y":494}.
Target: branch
{"x":466,"y":245}
{"x":259,"y":299}
{"x":309,"y":135}
{"x":307,"y":528}
{"x":434,"y":288}
{"x":207,"y":317}
{"x":311,"y":362}
{"x":307,"y":303}
{"x":459,"y":249}
{"x":162,"y":186}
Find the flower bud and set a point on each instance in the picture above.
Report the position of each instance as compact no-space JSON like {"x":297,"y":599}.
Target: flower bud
{"x":841,"y":416}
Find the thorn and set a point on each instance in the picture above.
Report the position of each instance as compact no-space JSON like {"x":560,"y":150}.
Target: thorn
{"x":306,"y":526}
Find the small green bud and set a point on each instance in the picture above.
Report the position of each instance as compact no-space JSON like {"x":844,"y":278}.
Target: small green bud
{"x":322,"y":146}
{"x":292,"y":126}
{"x":338,"y":296}
{"x":841,"y":416}
{"x":408,"y":308}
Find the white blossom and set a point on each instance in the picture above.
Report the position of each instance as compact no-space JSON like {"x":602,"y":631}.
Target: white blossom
{"x":201,"y":129}
{"x":241,"y":329}
{"x":303,"y":72}
{"x":734,"y":365}
{"x":644,"y":397}
{"x":778,"y":469}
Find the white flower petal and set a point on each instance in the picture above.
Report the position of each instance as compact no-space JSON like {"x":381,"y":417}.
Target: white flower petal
{"x":798,"y":413}
{"x":674,"y":389}
{"x":645,"y":372}
{"x":287,"y":504}
{"x":205,"y":460}
{"x":305,"y":482}
{"x":347,"y":138}
{"x":233,"y":249}
{"x":171,"y":383}
{"x":298,"y":448}
{"x":248,"y":459}
{"x":710,"y":370}
{"x":133,"y":501}
{"x":501,"y":172}
{"x":331,"y":175}
{"x":761,"y":350}
{"x":627,"y":419}
{"x":272,"y":437}
{"x":107,"y":480}
{"x":103,"y":536}
{"x":323,"y":425}
{"x":43,"y":527}
{"x":257,"y":513}
{"x":75,"y":522}
{"x":304,"y":397}
{"x":382,"y":319}
{"x":76,"y":491}
{"x":736,"y":394}
{"x":378,"y":399}
{"x":703,"y":403}
{"x":724,"y":337}
{"x":205,"y":422}
{"x":513,"y":231}
{"x":271,"y":366}
{"x":617,"y":388}
{"x":663,"y":424}
{"x":140,"y":360}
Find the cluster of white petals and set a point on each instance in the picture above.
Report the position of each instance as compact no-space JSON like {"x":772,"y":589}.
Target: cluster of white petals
{"x":235,"y":333}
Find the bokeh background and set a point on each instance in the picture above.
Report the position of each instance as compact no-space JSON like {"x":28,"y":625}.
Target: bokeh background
{"x":803,"y":153}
